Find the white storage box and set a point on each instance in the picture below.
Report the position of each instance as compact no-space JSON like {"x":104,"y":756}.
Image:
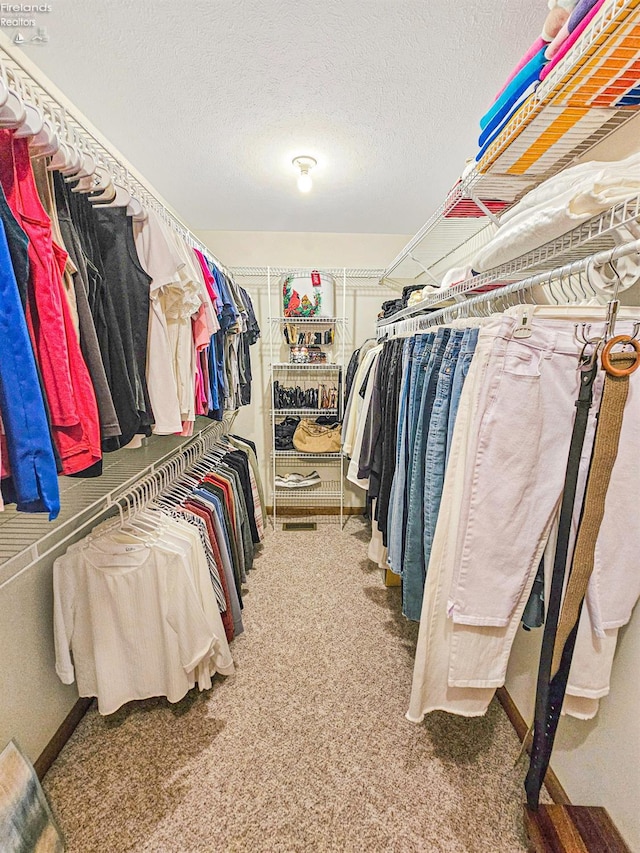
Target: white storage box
{"x":308,"y":294}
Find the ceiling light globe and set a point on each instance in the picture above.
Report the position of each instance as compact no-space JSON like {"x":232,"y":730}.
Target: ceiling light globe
{"x":304,"y":182}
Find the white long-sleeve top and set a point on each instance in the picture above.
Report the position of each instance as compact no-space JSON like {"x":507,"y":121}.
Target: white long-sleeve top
{"x":129,"y":624}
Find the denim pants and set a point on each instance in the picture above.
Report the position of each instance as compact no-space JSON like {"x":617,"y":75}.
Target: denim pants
{"x":396,"y":507}
{"x":467,"y":349}
{"x":437,"y":442}
{"x":413,"y":565}
{"x":419,"y":358}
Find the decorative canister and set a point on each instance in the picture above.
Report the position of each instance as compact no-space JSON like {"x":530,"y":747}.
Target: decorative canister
{"x":308,"y":294}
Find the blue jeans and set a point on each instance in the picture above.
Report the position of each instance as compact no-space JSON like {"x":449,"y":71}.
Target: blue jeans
{"x":467,"y":349}
{"x":437,"y":444}
{"x":415,"y":379}
{"x":413,"y":564}
{"x":396,"y":507}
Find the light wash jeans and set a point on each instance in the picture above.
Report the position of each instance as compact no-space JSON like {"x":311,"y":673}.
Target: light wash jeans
{"x":413,"y":565}
{"x":467,"y":349}
{"x":414,"y":378}
{"x":436,"y":448}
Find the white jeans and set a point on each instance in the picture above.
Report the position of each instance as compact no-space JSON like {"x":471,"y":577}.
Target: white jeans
{"x":484,"y":558}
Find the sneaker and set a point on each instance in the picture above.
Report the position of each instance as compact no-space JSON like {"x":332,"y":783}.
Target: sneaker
{"x":297,"y":481}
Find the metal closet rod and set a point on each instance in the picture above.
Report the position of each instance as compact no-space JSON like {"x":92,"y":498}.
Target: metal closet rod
{"x":161,"y":470}
{"x":467,"y":305}
{"x":37,"y":88}
{"x":153,"y":482}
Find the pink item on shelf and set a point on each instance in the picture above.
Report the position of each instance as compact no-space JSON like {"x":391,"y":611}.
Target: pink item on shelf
{"x":568,"y":43}
{"x":536,"y":47}
{"x":558,"y":41}
{"x":555,"y":20}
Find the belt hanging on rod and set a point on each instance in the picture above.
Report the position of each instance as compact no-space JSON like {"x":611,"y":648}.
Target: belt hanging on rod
{"x":561,"y":627}
{"x":542,"y":740}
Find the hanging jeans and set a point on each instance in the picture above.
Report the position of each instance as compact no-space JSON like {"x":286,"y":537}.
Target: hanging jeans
{"x":395,"y":521}
{"x":413,"y":569}
{"x":467,"y":349}
{"x":418,"y":365}
{"x":436,"y":449}
{"x":413,"y":349}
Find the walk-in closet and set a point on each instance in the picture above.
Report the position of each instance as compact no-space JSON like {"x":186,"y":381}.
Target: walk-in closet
{"x":319,"y":427}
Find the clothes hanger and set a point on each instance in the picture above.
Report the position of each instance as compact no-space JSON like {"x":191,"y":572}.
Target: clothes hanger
{"x":13,"y":113}
{"x":134,"y":207}
{"x":34,"y":118}
{"x":103,"y":189}
{"x":64,"y":155}
{"x":4,"y":85}
{"x":120,"y":198}
{"x":100,"y":181}
{"x":579,"y":310}
{"x":45,"y":143}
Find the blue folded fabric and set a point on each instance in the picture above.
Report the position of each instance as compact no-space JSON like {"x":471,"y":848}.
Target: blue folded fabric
{"x":512,"y":95}
{"x":631,"y":99}
{"x":499,"y":130}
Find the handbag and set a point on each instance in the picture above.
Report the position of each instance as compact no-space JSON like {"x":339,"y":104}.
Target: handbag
{"x":312,"y":437}
{"x":284,"y":432}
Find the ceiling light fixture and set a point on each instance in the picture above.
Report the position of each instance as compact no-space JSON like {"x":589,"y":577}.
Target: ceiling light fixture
{"x":305,"y":164}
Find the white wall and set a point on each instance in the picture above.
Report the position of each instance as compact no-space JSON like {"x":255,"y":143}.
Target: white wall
{"x":597,"y":761}
{"x":303,"y":249}
{"x":272,"y":248}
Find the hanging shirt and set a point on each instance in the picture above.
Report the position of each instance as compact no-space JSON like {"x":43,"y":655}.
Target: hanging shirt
{"x":129,"y":286}
{"x":69,"y":391}
{"x":24,"y":424}
{"x":132,"y":620}
{"x":162,"y":262}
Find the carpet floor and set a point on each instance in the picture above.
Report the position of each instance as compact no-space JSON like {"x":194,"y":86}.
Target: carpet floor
{"x":306,"y":747}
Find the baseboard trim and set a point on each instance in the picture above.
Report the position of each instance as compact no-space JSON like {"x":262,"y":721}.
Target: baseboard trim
{"x":53,"y":749}
{"x":551,"y":781}
{"x":295,"y":511}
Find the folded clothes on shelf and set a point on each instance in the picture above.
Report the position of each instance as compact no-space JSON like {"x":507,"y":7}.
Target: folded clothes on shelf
{"x":298,"y":481}
{"x":557,"y":206}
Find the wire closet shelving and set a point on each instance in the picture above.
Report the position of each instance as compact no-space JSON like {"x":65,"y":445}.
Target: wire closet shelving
{"x":570,"y":112}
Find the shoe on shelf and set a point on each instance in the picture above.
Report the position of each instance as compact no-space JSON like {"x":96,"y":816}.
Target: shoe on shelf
{"x":298,"y":481}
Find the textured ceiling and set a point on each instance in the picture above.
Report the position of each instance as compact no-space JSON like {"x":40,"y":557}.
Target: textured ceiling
{"x":211,"y":99}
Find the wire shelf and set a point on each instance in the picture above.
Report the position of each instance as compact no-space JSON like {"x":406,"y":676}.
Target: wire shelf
{"x":323,"y":490}
{"x":296,"y":454}
{"x":337,"y":272}
{"x":572,"y":110}
{"x":284,"y":366}
{"x":283,"y":413}
{"x":586,"y":239}
{"x":25,"y":538}
{"x":311,"y":321}
{"x":450,"y":310}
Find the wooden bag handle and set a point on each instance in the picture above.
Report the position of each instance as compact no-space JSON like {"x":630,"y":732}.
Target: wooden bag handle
{"x":606,"y":353}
